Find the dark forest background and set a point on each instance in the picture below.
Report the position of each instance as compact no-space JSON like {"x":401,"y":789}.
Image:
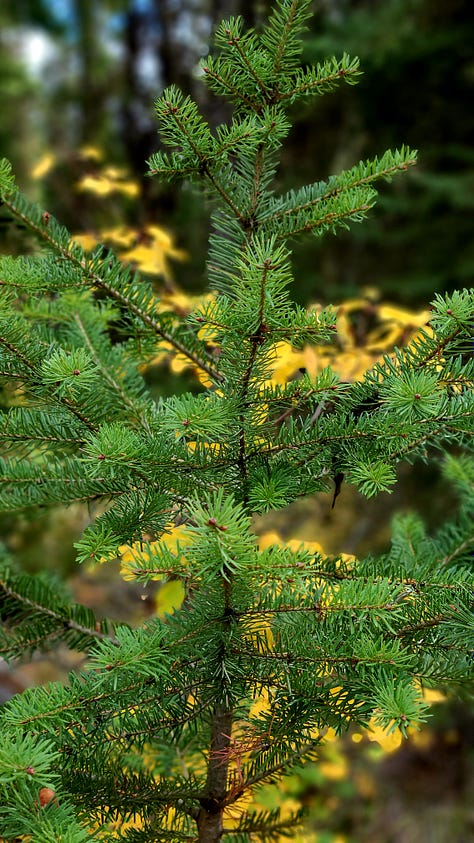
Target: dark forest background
{"x":75,"y":73}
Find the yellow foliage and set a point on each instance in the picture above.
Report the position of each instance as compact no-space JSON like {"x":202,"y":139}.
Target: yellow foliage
{"x":389,"y":743}
{"x":114,"y":173}
{"x":91,"y":152}
{"x":287,"y":363}
{"x":364,"y":333}
{"x":268,"y":539}
{"x":311,"y":547}
{"x":334,"y":770}
{"x":180,"y":302}
{"x":169,"y":597}
{"x":272,"y":537}
{"x":350,"y":365}
{"x":353,"y":352}
{"x":330,"y":735}
{"x":130,"y":555}
{"x":102,"y":185}
{"x":261,"y":705}
{"x":178,"y":363}
{"x":86,"y":240}
{"x":431,"y":696}
{"x":44,"y":165}
{"x":120,"y":236}
{"x":151,"y":252}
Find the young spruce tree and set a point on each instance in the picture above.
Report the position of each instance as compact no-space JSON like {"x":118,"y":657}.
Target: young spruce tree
{"x":161,"y":733}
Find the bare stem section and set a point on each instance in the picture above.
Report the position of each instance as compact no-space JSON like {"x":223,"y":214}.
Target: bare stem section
{"x":210,"y":824}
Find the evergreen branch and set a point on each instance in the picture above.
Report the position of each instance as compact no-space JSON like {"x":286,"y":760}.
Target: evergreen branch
{"x":95,"y":280}
{"x":108,"y":375}
{"x":266,"y":827}
{"x":7,"y":181}
{"x":256,"y":341}
{"x":323,"y":79}
{"x":290,"y":658}
{"x":322,"y":641}
{"x":34,"y":439}
{"x":257,"y":183}
{"x":227,"y":85}
{"x":359,"y":176}
{"x":164,"y":724}
{"x":222,"y":192}
{"x":282,"y":35}
{"x":173,"y":111}
{"x":74,"y":700}
{"x":235,"y":41}
{"x":63,"y":400}
{"x":268,"y":773}
{"x":330,"y":220}
{"x":65,"y":619}
{"x":458,"y":551}
{"x":20,"y":376}
{"x":418,"y":627}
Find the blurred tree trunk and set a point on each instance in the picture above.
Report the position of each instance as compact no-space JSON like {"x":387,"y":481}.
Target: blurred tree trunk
{"x":90,"y":91}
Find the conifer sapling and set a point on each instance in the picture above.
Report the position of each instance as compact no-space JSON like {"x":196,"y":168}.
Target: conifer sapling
{"x":174,"y":726}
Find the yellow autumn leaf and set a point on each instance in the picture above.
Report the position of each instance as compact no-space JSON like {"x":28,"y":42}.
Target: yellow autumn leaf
{"x":87,"y":240}
{"x":261,"y":705}
{"x":159,"y":235}
{"x":169,"y":597}
{"x":173,"y":535}
{"x":432,"y":696}
{"x":179,"y":362}
{"x":44,"y":165}
{"x":348,"y":558}
{"x":152,"y":251}
{"x":204,"y":378}
{"x":311,"y":547}
{"x":385,"y":336}
{"x":388,"y":742}
{"x":330,"y":735}
{"x":130,"y":558}
{"x":95,"y":184}
{"x":132,"y":555}
{"x":335,"y":770}
{"x":103,"y":186}
{"x":114,"y":173}
{"x":349,"y":365}
{"x":408,"y":318}
{"x":128,"y":188}
{"x":179,"y":301}
{"x":344,"y":330}
{"x":287,"y":362}
{"x":91,"y":152}
{"x":148,"y":258}
{"x":233,"y":813}
{"x":120,"y":235}
{"x":268,"y":539}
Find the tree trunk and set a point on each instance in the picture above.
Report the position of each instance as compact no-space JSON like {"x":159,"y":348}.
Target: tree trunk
{"x":212,"y":806}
